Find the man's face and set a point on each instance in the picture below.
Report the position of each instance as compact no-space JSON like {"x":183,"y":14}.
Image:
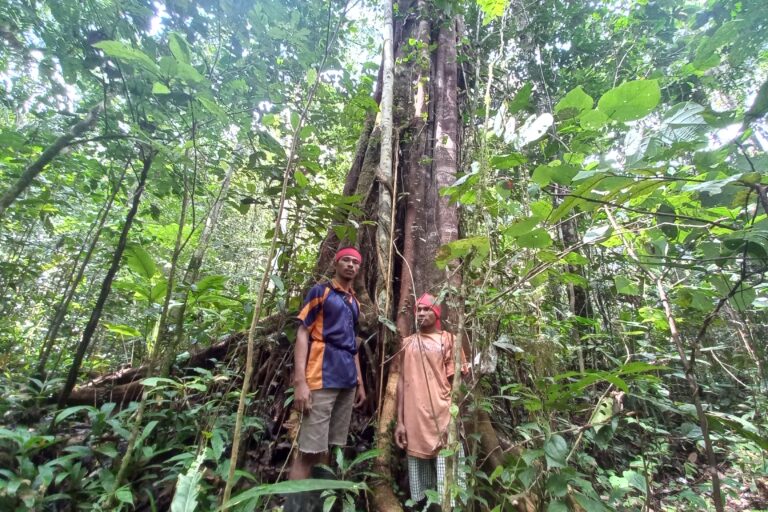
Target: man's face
{"x":425,"y":317}
{"x":347,"y":267}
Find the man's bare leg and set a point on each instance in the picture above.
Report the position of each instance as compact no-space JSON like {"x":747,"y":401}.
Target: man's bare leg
{"x":303,"y":463}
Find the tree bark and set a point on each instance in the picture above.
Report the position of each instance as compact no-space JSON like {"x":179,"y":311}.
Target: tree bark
{"x":106,"y":285}
{"x":51,"y":152}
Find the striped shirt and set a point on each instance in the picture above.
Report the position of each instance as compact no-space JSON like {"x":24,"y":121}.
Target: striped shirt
{"x":330,"y":315}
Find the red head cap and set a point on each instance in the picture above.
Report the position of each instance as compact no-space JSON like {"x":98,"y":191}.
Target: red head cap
{"x":348,"y":251}
{"x":429,"y":300}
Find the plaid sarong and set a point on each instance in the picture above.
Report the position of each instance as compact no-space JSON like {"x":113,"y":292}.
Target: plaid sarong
{"x":425,"y":474}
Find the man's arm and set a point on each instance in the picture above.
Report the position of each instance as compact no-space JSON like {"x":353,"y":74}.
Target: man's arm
{"x":360,"y":393}
{"x":301,"y":395}
{"x":401,"y":436}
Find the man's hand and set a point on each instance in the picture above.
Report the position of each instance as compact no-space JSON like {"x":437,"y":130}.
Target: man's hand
{"x":302,"y":398}
{"x":359,"y":396}
{"x":401,"y":437}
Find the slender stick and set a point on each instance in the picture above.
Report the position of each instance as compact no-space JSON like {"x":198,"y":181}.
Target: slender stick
{"x":690,"y":370}
{"x":287,"y":174}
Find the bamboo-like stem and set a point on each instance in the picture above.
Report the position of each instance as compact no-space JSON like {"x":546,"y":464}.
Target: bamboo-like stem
{"x":155,"y":352}
{"x":236,"y":437}
{"x":452,"y":462}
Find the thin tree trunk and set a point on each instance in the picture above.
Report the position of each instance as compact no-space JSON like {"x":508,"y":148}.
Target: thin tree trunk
{"x":452,"y":462}
{"x":690,"y":371}
{"x":383,"y":495}
{"x":287,"y":173}
{"x":193,"y":267}
{"x":45,"y":158}
{"x":71,"y":290}
{"x":106,"y":285}
{"x":156,"y":350}
{"x":745,"y":335}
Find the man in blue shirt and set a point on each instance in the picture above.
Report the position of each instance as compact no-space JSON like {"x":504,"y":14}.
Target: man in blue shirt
{"x":327,"y":377}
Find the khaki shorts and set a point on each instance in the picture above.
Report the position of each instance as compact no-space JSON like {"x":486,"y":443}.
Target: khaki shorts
{"x":328,"y":421}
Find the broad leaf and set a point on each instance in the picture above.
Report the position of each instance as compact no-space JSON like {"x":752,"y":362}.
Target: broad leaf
{"x":626,"y":286}
{"x":187,"y":487}
{"x":126,"y":53}
{"x":492,"y":9}
{"x":556,"y":450}
{"x":631,"y":100}
{"x":178,"y":47}
{"x":535,"y":239}
{"x":575,"y":102}
{"x":293,"y":486}
{"x":522,"y":99}
{"x":140,"y":261}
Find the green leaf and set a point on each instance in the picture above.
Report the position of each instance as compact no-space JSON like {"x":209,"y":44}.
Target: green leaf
{"x":602,"y":413}
{"x":557,"y":485}
{"x":560,"y":173}
{"x":154,"y":381}
{"x":215,"y":282}
{"x":479,"y":245}
{"x":185,"y":497}
{"x":503,"y":162}
{"x":575,"y":102}
{"x":593,"y":119}
{"x":589,"y":504}
{"x":301,"y":180}
{"x":521,"y":100}
{"x":140,"y":261}
{"x":188,"y":73}
{"x":69,"y":411}
{"x":293,"y":486}
{"x":311,"y":76}
{"x":127,"y":54}
{"x":719,"y":421}
{"x":556,"y":450}
{"x":178,"y":47}
{"x":492,"y":9}
{"x":705,"y":54}
{"x":124,"y":495}
{"x":636,"y":480}
{"x":366,"y":455}
{"x":535,"y":239}
{"x":522,"y":226}
{"x":557,"y":506}
{"x":760,"y":106}
{"x":160,"y":88}
{"x":122,"y":330}
{"x":212,"y":107}
{"x":631,"y":100}
{"x":217,"y":443}
{"x":626,"y":286}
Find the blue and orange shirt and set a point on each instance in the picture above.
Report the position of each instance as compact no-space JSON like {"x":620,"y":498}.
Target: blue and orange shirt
{"x":330,"y":315}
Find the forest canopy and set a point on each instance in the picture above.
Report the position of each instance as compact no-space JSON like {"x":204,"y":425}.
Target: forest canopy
{"x":584,"y":185}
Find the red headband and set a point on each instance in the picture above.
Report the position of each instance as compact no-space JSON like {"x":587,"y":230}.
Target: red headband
{"x":348,"y":251}
{"x":429,"y":300}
